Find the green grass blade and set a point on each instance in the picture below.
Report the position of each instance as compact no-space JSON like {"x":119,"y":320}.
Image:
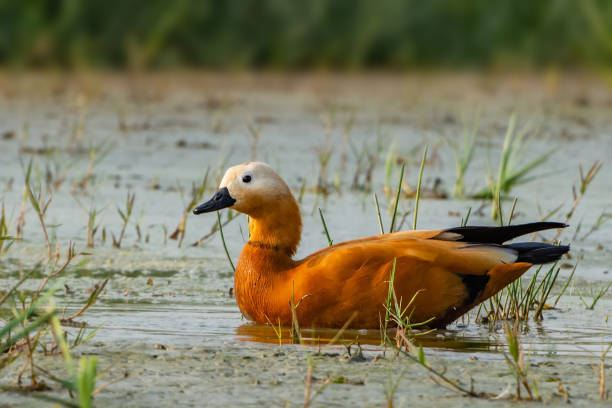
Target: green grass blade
{"x":418,"y":192}
{"x":329,"y":240}
{"x":380,"y":223}
{"x":397,"y":197}
{"x":86,"y":380}
{"x":229,"y":258}
{"x":41,"y":320}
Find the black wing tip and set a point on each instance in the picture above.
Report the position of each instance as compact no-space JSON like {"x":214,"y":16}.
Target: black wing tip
{"x":553,"y":225}
{"x":538,"y":253}
{"x":499,"y":235}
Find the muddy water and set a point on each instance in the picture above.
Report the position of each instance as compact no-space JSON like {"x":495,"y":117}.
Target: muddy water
{"x":168,"y":317}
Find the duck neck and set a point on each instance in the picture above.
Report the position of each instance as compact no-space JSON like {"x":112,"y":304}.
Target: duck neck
{"x":279,"y":228}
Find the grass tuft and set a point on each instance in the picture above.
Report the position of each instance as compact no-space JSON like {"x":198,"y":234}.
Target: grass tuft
{"x":125,"y":218}
{"x":513,"y":170}
{"x":596,"y":294}
{"x":515,"y":358}
{"x":519,"y":302}
{"x":197,"y":192}
{"x":464,"y":154}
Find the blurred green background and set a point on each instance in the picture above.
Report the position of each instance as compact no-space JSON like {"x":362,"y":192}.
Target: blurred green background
{"x":302,"y":34}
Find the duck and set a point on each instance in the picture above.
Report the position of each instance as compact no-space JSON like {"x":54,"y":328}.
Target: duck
{"x":444,"y":272}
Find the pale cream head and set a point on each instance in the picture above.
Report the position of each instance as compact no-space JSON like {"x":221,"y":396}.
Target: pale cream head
{"x":255,"y":187}
{"x":256,"y":190}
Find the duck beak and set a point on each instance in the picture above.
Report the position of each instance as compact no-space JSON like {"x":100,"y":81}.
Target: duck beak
{"x":221,"y":199}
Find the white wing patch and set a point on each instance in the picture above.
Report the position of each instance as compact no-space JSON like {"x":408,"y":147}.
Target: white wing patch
{"x":499,"y":253}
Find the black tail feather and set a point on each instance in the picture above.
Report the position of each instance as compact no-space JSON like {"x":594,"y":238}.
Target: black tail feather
{"x":537,"y":252}
{"x":499,"y":235}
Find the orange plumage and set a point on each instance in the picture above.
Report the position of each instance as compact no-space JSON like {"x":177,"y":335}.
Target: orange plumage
{"x":350,"y":280}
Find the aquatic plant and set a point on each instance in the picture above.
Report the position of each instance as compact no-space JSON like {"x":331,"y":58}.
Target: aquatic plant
{"x":601,"y":373}
{"x":390,"y":292}
{"x":34,"y":312}
{"x":397,"y":197}
{"x":516,"y":301}
{"x":92,"y":226}
{"x":389,"y":161}
{"x":125,"y":217}
{"x":96,"y":155}
{"x":464,"y":154}
{"x":399,"y":315}
{"x":464,"y":220}
{"x":39,"y":203}
{"x":309,"y":396}
{"x":296,"y":336}
{"x":346,"y":132}
{"x":6,"y":241}
{"x":197,"y":192}
{"x":577,"y":196}
{"x":215,"y":228}
{"x":15,"y":338}
{"x":391,"y":386}
{"x":562,"y":292}
{"x":82,"y":380}
{"x":302,"y":191}
{"x":367,"y":160}
{"x":595,"y":295}
{"x":93,"y":297}
{"x":278,"y":331}
{"x":378,"y":216}
{"x":513,"y":171}
{"x":603,"y":218}
{"x":417,"y":355}
{"x":418,"y":191}
{"x":324,"y":155}
{"x":515,"y":358}
{"x":395,"y":202}
{"x":138,"y":228}
{"x":25,"y":332}
{"x":329,"y":240}
{"x":220,"y":227}
{"x":10,"y":336}
{"x":520,"y":302}
{"x":57,"y":171}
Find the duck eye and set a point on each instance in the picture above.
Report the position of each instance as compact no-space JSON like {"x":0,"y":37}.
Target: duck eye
{"x":246,"y":179}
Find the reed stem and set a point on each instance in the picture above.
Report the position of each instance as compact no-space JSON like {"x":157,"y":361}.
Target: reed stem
{"x":397,"y":197}
{"x":380,"y":224}
{"x":418,"y":192}
{"x":229,"y":258}
{"x":329,"y":240}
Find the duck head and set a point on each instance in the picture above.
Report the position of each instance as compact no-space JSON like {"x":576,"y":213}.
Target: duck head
{"x":250,"y":188}
{"x":256,"y":190}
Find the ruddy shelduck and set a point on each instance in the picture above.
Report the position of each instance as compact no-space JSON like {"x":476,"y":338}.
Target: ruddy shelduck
{"x":449,"y":270}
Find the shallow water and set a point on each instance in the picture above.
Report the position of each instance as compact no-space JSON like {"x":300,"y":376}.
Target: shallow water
{"x":164,"y":297}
